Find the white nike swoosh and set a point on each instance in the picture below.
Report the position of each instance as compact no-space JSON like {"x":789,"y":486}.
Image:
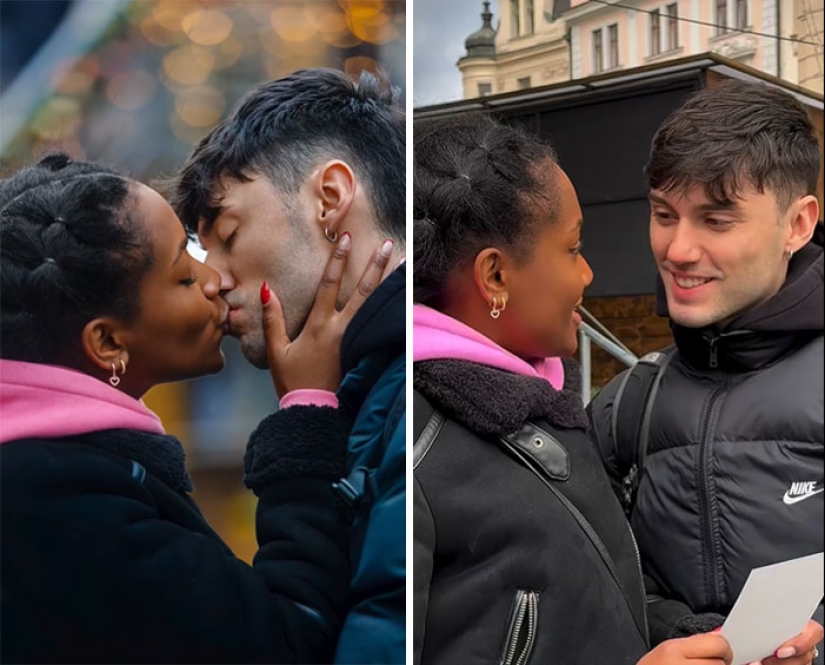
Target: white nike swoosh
{"x":790,"y":500}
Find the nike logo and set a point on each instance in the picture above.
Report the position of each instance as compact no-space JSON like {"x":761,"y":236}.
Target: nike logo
{"x":800,"y":491}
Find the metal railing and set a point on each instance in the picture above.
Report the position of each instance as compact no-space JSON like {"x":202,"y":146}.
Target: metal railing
{"x":588,"y":334}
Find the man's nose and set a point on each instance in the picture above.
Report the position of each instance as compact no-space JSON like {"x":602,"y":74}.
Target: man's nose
{"x":684,"y":244}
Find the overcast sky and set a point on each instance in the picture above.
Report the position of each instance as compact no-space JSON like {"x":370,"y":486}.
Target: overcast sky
{"x":439,"y":30}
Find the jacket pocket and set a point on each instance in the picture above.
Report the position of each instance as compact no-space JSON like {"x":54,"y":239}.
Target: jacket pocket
{"x":521,"y":633}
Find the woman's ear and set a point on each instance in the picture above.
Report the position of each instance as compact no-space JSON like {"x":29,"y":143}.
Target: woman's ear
{"x":490,"y":274}
{"x":103,"y":343}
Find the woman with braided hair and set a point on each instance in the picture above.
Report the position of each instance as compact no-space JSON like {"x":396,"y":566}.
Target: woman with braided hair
{"x":522,"y":552}
{"x":105,"y":557}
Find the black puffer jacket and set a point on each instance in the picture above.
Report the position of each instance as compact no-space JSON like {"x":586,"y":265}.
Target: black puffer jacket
{"x":733,"y":478}
{"x":106,"y":558}
{"x":512,"y":538}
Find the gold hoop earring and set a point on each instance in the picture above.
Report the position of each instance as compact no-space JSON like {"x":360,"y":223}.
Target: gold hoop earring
{"x":115,"y":379}
{"x":495,"y":312}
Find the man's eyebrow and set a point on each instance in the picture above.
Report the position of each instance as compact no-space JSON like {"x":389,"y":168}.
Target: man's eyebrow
{"x":181,"y":250}
{"x":655,"y":198}
{"x":704,"y":207}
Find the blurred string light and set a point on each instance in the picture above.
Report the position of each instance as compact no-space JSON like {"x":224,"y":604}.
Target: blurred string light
{"x":131,"y":90}
{"x":207,"y":27}
{"x":196,"y":50}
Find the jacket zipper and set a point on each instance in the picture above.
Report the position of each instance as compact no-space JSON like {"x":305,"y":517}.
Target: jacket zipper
{"x":522,"y":629}
{"x":591,"y":534}
{"x":707,"y":503}
{"x":641,"y":581}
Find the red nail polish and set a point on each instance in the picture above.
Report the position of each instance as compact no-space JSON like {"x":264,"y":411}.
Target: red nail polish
{"x":717,"y":630}
{"x":266,"y":294}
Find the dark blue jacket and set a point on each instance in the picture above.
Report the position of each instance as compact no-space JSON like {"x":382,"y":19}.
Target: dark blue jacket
{"x":372,"y":492}
{"x":106,"y":558}
{"x":373,"y":389}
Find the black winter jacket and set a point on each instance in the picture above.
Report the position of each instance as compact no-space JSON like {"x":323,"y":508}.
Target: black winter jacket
{"x":106,"y":558}
{"x":733,"y":477}
{"x":512,"y":540}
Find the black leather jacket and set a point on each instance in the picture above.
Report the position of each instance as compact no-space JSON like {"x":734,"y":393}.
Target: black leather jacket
{"x":522,"y":553}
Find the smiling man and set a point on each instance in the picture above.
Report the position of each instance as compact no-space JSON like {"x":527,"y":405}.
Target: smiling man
{"x":706,"y":466}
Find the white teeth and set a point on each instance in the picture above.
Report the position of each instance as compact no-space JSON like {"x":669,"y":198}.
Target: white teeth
{"x":690,"y":282}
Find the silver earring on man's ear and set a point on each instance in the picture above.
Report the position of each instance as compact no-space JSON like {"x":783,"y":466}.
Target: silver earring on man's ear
{"x":495,"y":312}
{"x":332,"y":237}
{"x":789,"y":255}
{"x":115,"y":379}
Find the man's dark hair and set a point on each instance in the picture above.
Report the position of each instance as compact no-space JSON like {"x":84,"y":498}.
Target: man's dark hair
{"x":476,"y":183}
{"x":73,"y":250}
{"x":735,"y":135}
{"x":284,"y":128}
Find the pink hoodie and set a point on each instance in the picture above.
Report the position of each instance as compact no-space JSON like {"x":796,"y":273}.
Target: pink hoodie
{"x":46,"y":401}
{"x":437,"y":336}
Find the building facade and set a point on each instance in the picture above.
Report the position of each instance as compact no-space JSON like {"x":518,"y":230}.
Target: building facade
{"x":528,"y":49}
{"x":539,"y":43}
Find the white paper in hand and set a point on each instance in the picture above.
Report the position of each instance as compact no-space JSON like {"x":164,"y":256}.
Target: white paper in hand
{"x":775,"y":604}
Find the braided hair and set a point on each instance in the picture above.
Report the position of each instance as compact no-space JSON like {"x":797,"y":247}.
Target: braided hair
{"x":73,"y":249}
{"x":475,"y":184}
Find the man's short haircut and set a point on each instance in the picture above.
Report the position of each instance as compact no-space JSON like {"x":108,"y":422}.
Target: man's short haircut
{"x":735,"y":135}
{"x":284,"y":128}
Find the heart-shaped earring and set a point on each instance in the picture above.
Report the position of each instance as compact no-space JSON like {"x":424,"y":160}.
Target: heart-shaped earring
{"x":114,"y":379}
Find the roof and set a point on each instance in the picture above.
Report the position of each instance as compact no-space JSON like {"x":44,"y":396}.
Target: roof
{"x":616,"y":80}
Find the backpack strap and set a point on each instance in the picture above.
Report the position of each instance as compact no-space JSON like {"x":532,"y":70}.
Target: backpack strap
{"x":427,"y":423}
{"x":630,"y":419}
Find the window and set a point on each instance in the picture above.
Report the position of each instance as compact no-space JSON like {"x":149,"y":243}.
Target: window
{"x":721,"y":19}
{"x":485,"y":89}
{"x":523,"y":83}
{"x":613,"y":39}
{"x":528,"y":17}
{"x":515,"y":24}
{"x":672,"y":26}
{"x":597,"y":51}
{"x":655,"y":33}
{"x":741,"y":14}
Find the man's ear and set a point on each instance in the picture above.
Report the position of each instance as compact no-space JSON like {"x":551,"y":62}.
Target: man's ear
{"x":804,"y":216}
{"x":104,"y":344}
{"x":334,"y":188}
{"x":490,"y":275}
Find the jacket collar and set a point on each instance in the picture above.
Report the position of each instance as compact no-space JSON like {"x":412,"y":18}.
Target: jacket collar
{"x":380,"y":324}
{"x":494,"y":402}
{"x":161,"y":455}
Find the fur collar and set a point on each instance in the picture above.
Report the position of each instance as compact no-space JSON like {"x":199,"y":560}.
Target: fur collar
{"x":160,"y":454}
{"x":493,"y":402}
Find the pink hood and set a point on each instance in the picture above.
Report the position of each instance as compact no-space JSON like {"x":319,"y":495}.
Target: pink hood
{"x":46,"y":401}
{"x":437,"y":336}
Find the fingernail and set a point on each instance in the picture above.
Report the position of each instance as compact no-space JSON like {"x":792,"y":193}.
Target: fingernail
{"x":345,"y":240}
{"x":755,"y":662}
{"x":386,"y":248}
{"x":266,"y":294}
{"x":785,"y":652}
{"x":717,"y":630}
